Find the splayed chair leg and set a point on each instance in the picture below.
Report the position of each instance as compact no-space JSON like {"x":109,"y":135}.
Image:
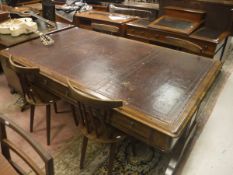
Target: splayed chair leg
{"x":83,"y":152}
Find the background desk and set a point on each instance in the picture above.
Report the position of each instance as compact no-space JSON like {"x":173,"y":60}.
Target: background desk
{"x":9,"y":41}
{"x":85,"y":19}
{"x":212,"y":42}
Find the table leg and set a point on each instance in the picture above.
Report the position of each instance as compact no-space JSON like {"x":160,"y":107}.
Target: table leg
{"x":178,"y":151}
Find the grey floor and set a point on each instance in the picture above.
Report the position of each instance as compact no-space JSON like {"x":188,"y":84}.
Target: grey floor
{"x":212,"y":153}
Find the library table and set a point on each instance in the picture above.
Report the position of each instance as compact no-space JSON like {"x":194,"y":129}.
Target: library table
{"x":161,"y":88}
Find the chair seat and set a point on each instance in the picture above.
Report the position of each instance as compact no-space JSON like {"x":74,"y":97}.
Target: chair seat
{"x":41,"y":97}
{"x":116,"y":135}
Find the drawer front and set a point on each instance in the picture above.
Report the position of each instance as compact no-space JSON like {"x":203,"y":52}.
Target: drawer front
{"x":53,"y":86}
{"x":86,"y":23}
{"x":208,"y":48}
{"x":142,"y":132}
{"x":141,"y":34}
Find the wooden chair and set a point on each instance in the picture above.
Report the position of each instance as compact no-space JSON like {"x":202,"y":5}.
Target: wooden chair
{"x":8,"y":145}
{"x":145,"y":14}
{"x":184,"y":44}
{"x":105,"y":28}
{"x":34,"y":96}
{"x":93,"y":116}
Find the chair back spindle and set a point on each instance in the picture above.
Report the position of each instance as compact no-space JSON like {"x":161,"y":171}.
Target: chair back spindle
{"x":93,"y":113}
{"x":26,"y":77}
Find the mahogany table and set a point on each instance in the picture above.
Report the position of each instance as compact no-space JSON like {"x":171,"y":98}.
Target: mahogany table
{"x":5,"y":167}
{"x":161,"y":88}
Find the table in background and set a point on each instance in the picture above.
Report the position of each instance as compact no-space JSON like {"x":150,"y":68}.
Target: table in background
{"x":7,"y":41}
{"x":85,"y":19}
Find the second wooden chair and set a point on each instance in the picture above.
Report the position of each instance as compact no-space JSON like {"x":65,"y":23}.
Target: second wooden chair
{"x":94,"y":115}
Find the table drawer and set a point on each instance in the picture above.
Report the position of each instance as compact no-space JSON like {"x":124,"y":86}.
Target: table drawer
{"x":132,"y":126}
{"x":144,"y":133}
{"x":139,"y":33}
{"x":52,"y":86}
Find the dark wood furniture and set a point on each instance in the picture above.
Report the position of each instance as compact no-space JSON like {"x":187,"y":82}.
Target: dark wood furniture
{"x":28,"y":2}
{"x":5,"y":167}
{"x":218,"y":15}
{"x":179,"y":20}
{"x":9,"y":41}
{"x":34,"y":96}
{"x":226,"y":2}
{"x":3,"y":15}
{"x":85,"y":19}
{"x":161,"y":88}
{"x":93,"y":116}
{"x":213,"y":35}
{"x":184,"y":45}
{"x":8,"y":146}
{"x":211,"y":41}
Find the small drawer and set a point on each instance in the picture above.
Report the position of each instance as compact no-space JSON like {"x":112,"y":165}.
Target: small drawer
{"x":131,"y":126}
{"x":52,"y":86}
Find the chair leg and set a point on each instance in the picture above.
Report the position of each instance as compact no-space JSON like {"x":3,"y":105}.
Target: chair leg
{"x":74,"y":115}
{"x":134,"y":149}
{"x":48,"y":122}
{"x":55,"y":107}
{"x":32,"y":112}
{"x":111,"y":157}
{"x":83,"y":152}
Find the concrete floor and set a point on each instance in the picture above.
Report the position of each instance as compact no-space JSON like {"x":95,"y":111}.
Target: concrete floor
{"x":212,"y":153}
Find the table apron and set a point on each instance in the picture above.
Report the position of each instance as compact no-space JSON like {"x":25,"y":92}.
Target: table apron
{"x":124,"y":123}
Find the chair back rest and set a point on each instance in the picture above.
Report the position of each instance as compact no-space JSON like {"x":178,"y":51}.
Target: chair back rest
{"x":8,"y":146}
{"x":184,"y":44}
{"x":105,"y":28}
{"x":131,"y":11}
{"x":94,"y":113}
{"x":26,"y":76}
